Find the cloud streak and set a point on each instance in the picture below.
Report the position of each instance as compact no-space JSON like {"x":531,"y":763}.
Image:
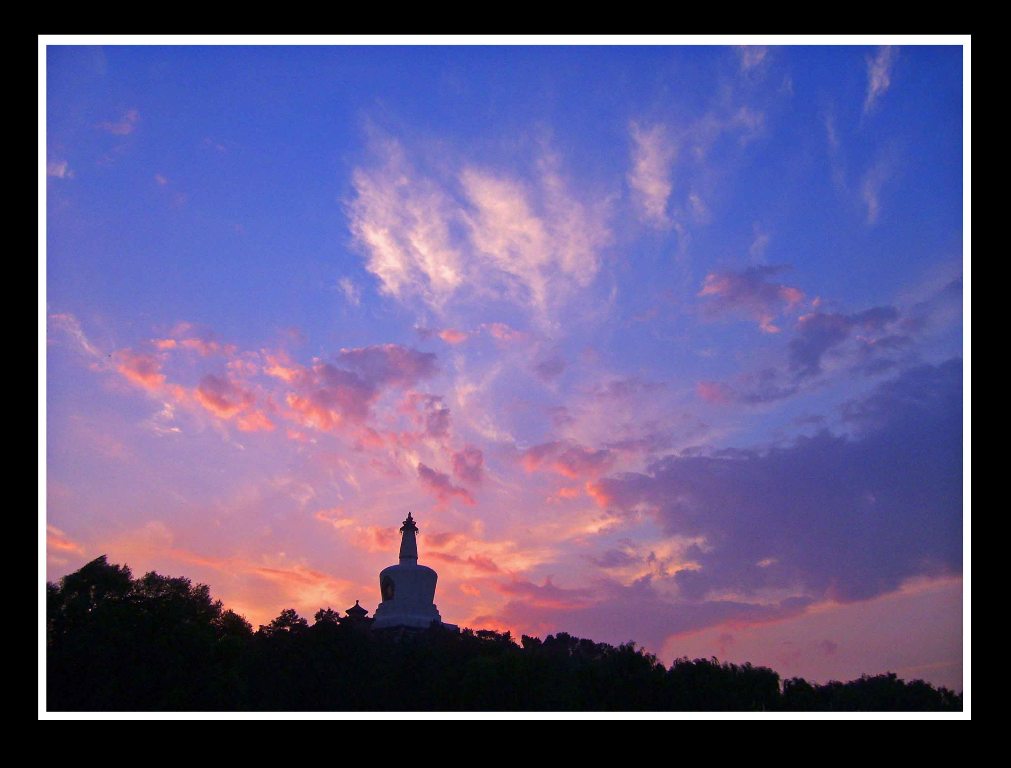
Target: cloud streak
{"x":879,"y":75}
{"x":651,"y":175}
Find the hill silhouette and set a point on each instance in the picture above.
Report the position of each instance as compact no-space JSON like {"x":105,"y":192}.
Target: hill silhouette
{"x":159,"y":643}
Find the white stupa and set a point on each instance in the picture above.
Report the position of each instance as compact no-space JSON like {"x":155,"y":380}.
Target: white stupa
{"x":408,"y":589}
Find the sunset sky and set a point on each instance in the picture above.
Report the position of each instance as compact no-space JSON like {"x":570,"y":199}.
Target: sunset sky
{"x":657,"y":343}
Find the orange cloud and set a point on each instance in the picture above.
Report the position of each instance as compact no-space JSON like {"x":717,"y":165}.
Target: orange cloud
{"x":468,"y":589}
{"x":334,"y":517}
{"x":312,"y":414}
{"x":375,"y":538}
{"x":280,"y":367}
{"x":141,"y":369}
{"x":453,"y":336}
{"x":254,"y":421}
{"x":59,"y":541}
{"x":598,"y":494}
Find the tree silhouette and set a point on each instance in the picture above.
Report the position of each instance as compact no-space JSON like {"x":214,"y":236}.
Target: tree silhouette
{"x":162,"y":643}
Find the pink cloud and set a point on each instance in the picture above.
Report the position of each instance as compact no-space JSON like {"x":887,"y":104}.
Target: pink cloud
{"x":207,"y":347}
{"x":567,"y":459}
{"x":335,"y":517}
{"x":546,"y":595}
{"x":59,"y":169}
{"x":222,"y":397}
{"x":329,"y":396}
{"x":299,"y":576}
{"x":182,"y":336}
{"x":478,"y":562}
{"x":444,"y":538}
{"x":124,"y":126}
{"x":749,"y":293}
{"x":375,"y":538}
{"x":428,"y":413}
{"x":570,"y":492}
{"x":439,"y":484}
{"x":503,"y":332}
{"x":714,"y":392}
{"x":468,"y":464}
{"x":390,"y":364}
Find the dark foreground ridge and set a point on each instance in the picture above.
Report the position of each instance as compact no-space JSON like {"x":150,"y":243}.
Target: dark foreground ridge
{"x":157,"y":643}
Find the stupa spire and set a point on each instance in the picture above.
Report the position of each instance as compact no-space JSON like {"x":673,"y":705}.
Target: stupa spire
{"x":409,"y":541}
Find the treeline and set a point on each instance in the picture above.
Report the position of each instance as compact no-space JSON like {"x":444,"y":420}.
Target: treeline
{"x":161,"y":644}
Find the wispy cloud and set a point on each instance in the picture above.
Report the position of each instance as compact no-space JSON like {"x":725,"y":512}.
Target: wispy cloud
{"x":751,"y":57}
{"x":527,"y":242}
{"x":651,"y":175}
{"x":870,"y":189}
{"x":537,"y":251}
{"x":124,"y":126}
{"x":69,"y":325}
{"x":879,"y":75}
{"x":352,"y":293}
{"x":759,"y":242}
{"x":401,"y":219}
